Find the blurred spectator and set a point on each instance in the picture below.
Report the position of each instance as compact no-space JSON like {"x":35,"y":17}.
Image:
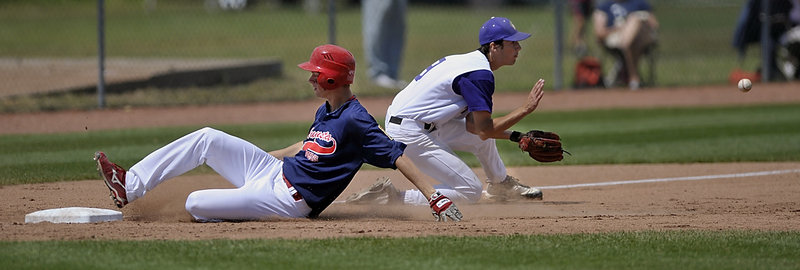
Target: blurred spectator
{"x":384,"y":27}
{"x":784,"y":16}
{"x":789,"y":51}
{"x":629,"y":27}
{"x":794,"y":14}
{"x":581,"y":10}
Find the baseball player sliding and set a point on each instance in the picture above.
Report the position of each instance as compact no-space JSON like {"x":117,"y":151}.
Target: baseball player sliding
{"x":311,"y":173}
{"x":448,"y":107}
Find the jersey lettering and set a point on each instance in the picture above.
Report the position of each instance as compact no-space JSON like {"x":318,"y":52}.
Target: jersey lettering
{"x":429,"y":68}
{"x":313,"y":146}
{"x":318,"y":149}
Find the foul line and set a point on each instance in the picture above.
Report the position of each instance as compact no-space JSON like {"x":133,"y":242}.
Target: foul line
{"x":688,"y":178}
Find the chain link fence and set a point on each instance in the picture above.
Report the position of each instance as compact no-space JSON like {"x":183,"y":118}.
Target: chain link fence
{"x":48,"y":46}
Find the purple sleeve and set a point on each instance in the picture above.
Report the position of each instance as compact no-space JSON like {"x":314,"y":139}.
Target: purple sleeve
{"x":477,"y":88}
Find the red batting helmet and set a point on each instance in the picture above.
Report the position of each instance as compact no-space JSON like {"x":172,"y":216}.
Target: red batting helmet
{"x":336,"y":66}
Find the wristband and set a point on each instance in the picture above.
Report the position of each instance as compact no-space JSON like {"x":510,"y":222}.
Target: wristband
{"x":515,"y":136}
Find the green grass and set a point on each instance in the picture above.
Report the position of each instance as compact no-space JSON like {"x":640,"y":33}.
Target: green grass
{"x":695,"y":44}
{"x":666,"y":135}
{"x":624,"y":250}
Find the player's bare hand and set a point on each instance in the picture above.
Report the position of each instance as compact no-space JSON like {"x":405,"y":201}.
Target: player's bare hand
{"x":443,"y":208}
{"x":535,"y":96}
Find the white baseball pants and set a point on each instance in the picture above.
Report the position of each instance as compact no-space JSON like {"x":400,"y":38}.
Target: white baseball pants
{"x":260,"y":189}
{"x":433,"y":153}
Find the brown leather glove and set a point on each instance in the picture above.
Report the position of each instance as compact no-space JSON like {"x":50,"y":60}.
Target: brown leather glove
{"x":542,"y":146}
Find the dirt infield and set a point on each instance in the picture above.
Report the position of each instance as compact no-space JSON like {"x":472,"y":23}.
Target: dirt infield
{"x":76,"y":121}
{"x":729,"y":197}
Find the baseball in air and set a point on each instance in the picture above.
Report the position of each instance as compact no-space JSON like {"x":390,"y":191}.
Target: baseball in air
{"x":745,"y":85}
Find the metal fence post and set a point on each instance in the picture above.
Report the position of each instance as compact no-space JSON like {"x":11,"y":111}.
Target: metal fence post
{"x":559,"y":45}
{"x":101,"y":52}
{"x":332,"y":21}
{"x":766,"y":41}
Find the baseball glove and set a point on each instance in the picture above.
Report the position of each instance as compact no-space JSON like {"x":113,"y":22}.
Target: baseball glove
{"x":542,"y":146}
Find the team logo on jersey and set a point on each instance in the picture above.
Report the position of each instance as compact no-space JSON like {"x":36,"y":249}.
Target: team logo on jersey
{"x":319,"y":143}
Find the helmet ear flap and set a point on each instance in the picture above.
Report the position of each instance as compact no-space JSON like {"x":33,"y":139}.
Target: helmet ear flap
{"x":327,"y":82}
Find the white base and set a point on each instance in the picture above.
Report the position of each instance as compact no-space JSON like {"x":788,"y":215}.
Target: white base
{"x":73,"y":215}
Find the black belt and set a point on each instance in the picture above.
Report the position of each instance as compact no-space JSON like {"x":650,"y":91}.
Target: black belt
{"x":397,"y":121}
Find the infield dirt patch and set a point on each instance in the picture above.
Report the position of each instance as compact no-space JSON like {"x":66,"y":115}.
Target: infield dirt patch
{"x":743,"y":203}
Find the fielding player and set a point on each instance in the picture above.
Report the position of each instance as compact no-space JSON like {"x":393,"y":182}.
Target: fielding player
{"x":311,"y":174}
{"x":447,"y":108}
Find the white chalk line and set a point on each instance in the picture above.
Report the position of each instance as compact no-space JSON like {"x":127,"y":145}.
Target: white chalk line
{"x":669,"y":179}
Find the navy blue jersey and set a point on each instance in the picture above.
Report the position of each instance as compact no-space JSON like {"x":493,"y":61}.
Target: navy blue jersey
{"x":618,"y":11}
{"x":338,"y":143}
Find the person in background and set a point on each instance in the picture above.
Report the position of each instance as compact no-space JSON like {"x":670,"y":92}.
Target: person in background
{"x":581,"y":11}
{"x":384,"y":27}
{"x":784,"y":35}
{"x":628,"y":26}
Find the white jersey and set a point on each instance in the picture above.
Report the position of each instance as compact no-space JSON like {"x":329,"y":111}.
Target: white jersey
{"x":430,"y":97}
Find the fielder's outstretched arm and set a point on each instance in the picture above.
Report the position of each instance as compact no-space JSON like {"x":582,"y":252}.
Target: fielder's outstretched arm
{"x":481,"y":123}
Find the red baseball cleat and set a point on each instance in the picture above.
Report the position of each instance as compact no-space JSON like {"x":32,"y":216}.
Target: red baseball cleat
{"x":114,"y":177}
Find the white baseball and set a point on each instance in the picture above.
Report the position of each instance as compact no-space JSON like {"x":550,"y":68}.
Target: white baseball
{"x":745,"y":85}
